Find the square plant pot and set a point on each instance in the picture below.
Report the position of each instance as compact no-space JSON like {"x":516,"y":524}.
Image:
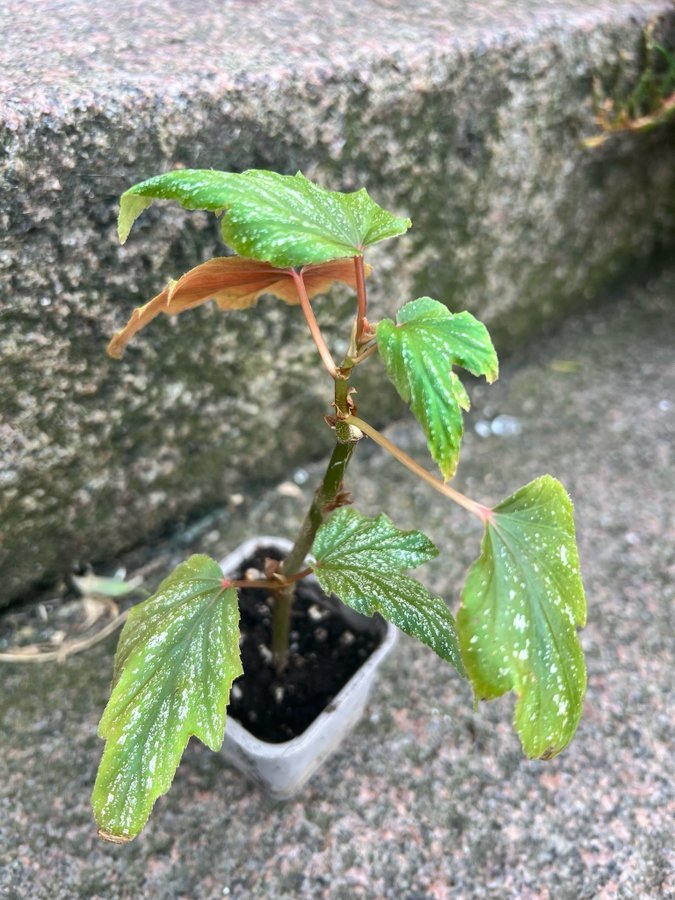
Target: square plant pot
{"x":281,"y":769}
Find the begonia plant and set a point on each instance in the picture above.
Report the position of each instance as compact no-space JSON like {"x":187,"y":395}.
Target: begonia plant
{"x":522,"y":600}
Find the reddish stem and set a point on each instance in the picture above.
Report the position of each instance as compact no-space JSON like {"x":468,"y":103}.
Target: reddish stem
{"x":484,"y":513}
{"x":361,"y":298}
{"x":271,"y":584}
{"x":313,"y":325}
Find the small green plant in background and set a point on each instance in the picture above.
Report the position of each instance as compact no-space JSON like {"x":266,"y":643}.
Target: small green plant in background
{"x":523,"y":599}
{"x":649,"y":103}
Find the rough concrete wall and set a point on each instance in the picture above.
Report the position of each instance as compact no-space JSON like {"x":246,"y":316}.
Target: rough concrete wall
{"x":477,"y":140}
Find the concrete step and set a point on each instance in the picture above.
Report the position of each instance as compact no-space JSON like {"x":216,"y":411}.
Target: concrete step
{"x":467,"y":117}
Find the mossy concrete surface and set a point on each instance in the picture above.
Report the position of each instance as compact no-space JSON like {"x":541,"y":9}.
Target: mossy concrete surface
{"x":427,"y":799}
{"x":466,"y":116}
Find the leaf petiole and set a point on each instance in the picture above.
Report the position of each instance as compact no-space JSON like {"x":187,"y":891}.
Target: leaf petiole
{"x":361,"y":298}
{"x":313,"y":325}
{"x":270,"y":584}
{"x":484,"y":513}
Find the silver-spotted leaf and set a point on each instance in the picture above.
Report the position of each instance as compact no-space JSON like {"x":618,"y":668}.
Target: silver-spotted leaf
{"x":285,"y":220}
{"x":419,"y":352}
{"x":177,"y":657}
{"x":522,"y":603}
{"x":362,"y":561}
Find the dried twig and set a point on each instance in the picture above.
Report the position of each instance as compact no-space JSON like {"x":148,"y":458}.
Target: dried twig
{"x":34,"y":653}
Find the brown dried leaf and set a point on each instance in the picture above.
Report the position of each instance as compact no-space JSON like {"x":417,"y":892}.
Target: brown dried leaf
{"x":234,"y":283}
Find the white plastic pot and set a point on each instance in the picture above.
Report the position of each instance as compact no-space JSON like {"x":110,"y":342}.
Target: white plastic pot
{"x":282,"y":769}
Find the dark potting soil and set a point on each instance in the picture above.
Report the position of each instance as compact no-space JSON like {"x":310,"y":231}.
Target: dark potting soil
{"x":325,"y":651}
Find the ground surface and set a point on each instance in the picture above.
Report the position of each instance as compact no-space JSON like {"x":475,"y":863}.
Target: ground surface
{"x":427,"y":799}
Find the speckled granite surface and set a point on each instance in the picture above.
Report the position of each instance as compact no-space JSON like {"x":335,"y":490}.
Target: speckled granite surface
{"x":467,"y":116}
{"x":428,"y":800}
{"x":167,"y":46}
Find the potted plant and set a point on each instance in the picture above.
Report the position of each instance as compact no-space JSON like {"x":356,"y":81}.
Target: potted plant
{"x":179,"y":651}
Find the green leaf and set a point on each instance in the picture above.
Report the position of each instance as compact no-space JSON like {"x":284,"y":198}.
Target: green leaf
{"x":522,"y":602}
{"x":362,"y":561}
{"x":177,"y":658}
{"x":285,"y":220}
{"x":419,"y":352}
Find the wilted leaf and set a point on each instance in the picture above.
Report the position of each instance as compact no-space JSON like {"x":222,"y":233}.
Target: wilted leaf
{"x":285,"y":220}
{"x":362,"y":560}
{"x":234,"y":283}
{"x":522,"y":602}
{"x":419,"y":352}
{"x":177,"y":657}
